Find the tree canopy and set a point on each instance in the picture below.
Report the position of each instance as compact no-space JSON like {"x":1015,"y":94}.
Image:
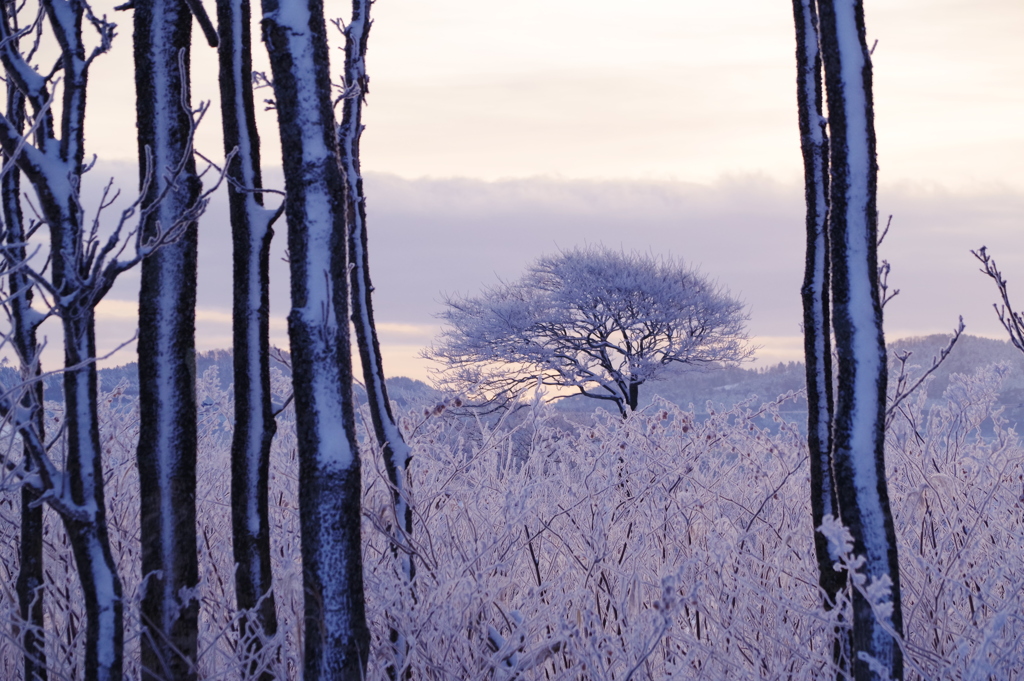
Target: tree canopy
{"x":599,"y":321}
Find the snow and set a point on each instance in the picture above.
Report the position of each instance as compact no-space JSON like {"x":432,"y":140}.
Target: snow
{"x":334,"y":451}
{"x":32,"y":317}
{"x":319,"y":221}
{"x":257,"y":223}
{"x":818,"y":284}
{"x":863,"y":306}
{"x":862,"y":295}
{"x":164,"y":432}
{"x":319,"y":312}
{"x":294,"y":15}
{"x":254,"y":445}
{"x":106,"y":594}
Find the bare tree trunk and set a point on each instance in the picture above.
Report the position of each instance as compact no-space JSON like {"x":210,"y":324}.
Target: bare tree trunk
{"x":254,"y":418}
{"x":167,"y":404}
{"x":634,"y":396}
{"x":859,"y":430}
{"x":395,"y":451}
{"x":336,"y":634}
{"x":30,"y":556}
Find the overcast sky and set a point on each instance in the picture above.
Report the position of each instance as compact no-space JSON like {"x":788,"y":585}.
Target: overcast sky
{"x":497,"y":132}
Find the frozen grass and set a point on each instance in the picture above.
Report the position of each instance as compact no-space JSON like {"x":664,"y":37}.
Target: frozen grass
{"x":659,"y":547}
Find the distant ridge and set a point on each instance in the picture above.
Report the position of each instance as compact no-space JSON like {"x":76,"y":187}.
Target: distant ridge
{"x":727,"y":386}
{"x":402,"y":390}
{"x":723,"y":386}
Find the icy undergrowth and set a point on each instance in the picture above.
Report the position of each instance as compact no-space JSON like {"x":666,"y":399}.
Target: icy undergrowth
{"x":655,"y":548}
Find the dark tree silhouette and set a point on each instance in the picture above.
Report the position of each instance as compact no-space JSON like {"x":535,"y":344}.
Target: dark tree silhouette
{"x":24,"y":340}
{"x":1011,"y":320}
{"x":80,"y":271}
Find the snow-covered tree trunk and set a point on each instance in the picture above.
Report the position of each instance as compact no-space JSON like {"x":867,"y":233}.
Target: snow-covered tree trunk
{"x":336,"y":634}
{"x":394,"y":448}
{"x":817,"y":322}
{"x":53,"y":163}
{"x":87,"y":529}
{"x":858,"y":449}
{"x":167,"y":404}
{"x":80,"y":499}
{"x":254,"y":418}
{"x":815,"y":297}
{"x":23,"y":332}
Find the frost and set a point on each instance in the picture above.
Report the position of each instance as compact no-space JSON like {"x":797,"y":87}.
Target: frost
{"x":598,"y":322}
{"x":840,"y":541}
{"x":881,"y":670}
{"x":665,"y":549}
{"x":879,"y":593}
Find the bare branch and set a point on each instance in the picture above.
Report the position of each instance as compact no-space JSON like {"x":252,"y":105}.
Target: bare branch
{"x":199,"y":12}
{"x":904,"y":388}
{"x":1012,"y":321}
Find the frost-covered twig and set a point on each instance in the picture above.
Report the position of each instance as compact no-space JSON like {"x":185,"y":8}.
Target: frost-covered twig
{"x":1011,"y":320}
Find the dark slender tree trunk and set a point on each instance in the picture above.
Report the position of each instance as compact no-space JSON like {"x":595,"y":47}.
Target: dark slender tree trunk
{"x":254,"y":418}
{"x":336,"y":634}
{"x":858,"y":449}
{"x":395,"y":451}
{"x":167,"y":405}
{"x":815,"y":297}
{"x":30,"y":556}
{"x":634,"y":396}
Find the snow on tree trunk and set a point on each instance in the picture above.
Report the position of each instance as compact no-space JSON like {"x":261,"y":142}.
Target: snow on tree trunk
{"x":87,"y":528}
{"x":394,"y":448}
{"x":23,"y":333}
{"x":817,"y":323}
{"x":254,"y":418}
{"x":167,"y":404}
{"x":814,"y":294}
{"x":858,"y":455}
{"x":336,"y":634}
{"x":54,"y":167}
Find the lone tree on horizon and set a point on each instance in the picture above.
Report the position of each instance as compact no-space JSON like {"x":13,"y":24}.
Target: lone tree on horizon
{"x":599,"y":321}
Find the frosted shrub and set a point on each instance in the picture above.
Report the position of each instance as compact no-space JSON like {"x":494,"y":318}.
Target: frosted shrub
{"x":654,"y":547}
{"x":648,"y":548}
{"x":220,"y":655}
{"x":958,"y":474}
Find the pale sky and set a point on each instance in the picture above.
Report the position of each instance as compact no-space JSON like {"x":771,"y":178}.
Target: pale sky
{"x":497,"y":132}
